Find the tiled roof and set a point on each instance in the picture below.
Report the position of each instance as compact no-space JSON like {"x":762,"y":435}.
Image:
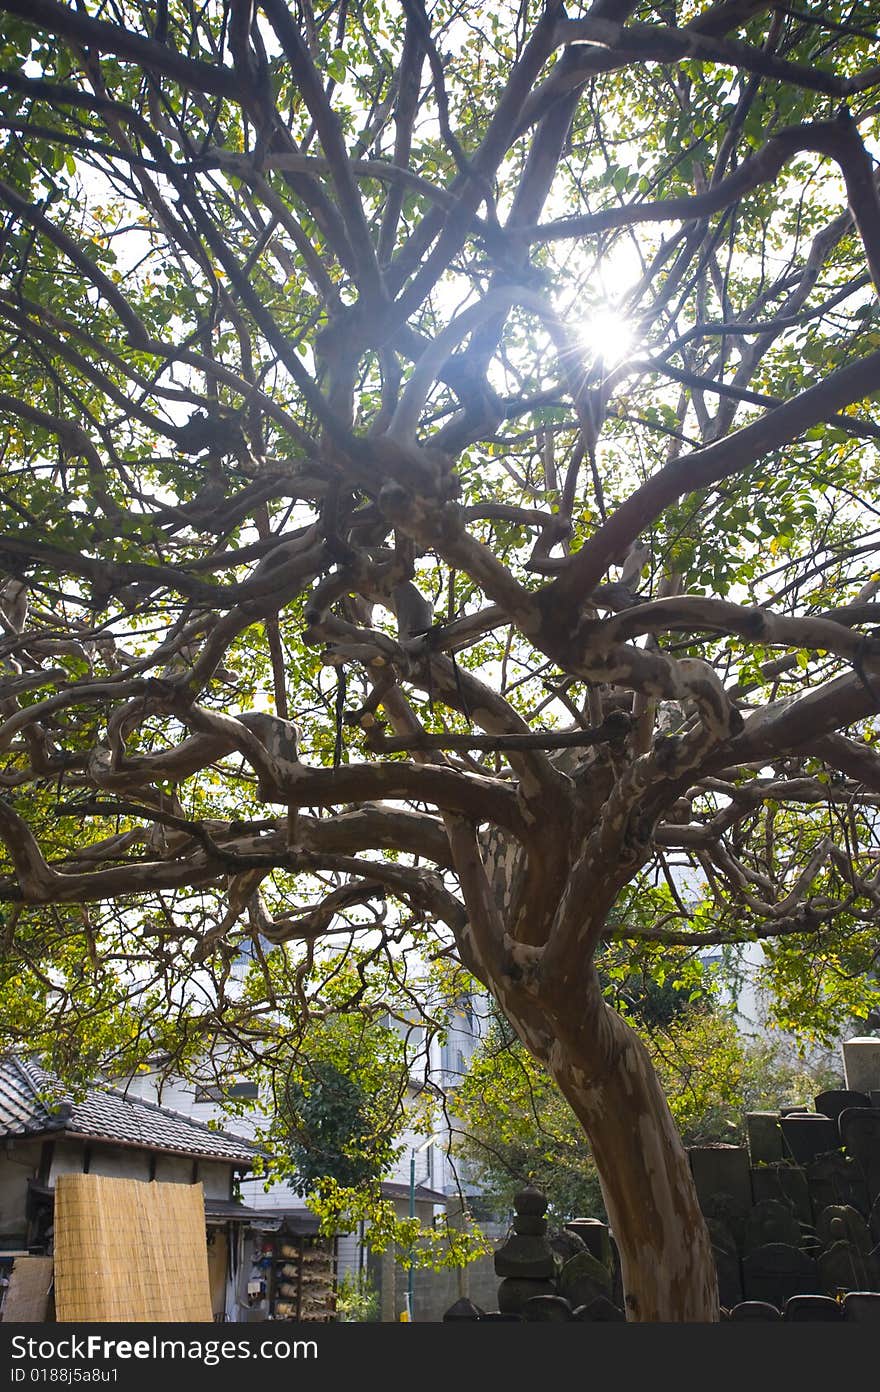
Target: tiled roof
{"x":34,"y":1103}
{"x":390,"y":1189}
{"x":228,"y":1209}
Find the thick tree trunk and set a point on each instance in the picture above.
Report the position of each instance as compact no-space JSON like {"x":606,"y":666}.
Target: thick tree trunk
{"x":666,"y":1257}
{"x":606,"y":1074}
{"x":551,"y":994}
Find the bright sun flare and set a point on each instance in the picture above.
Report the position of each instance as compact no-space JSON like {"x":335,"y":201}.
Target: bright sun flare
{"x":608,"y":334}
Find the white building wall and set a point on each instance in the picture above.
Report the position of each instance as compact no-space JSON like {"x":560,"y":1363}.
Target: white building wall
{"x":175,"y":1169}
{"x":348,"y":1255}
{"x":117,"y":1162}
{"x":216,"y":1179}
{"x":67,"y":1158}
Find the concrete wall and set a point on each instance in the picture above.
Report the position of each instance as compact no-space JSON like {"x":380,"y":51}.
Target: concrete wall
{"x":216,"y":1178}
{"x":117,"y":1162}
{"x":176,"y":1169}
{"x":435,"y":1291}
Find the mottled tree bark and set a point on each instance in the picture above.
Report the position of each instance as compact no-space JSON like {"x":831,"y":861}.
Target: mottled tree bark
{"x":666,"y":1259}
{"x":605,"y":1073}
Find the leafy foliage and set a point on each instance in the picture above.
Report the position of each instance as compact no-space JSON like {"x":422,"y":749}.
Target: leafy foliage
{"x":515,"y":1127}
{"x":438,"y":513}
{"x":340,"y":1119}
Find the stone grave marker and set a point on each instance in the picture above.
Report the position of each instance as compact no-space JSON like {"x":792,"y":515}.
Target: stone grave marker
{"x":755,"y":1310}
{"x":463,"y":1309}
{"x":862,"y":1307}
{"x":860,"y":1130}
{"x":564,"y":1245}
{"x":593,"y":1233}
{"x":583,"y":1279}
{"x":809,"y":1242}
{"x":721,"y":1209}
{"x":721,"y":1236}
{"x":808,"y":1134}
{"x":861,"y":1063}
{"x":778,"y":1271}
{"x":599,"y":1311}
{"x":852,"y":1227}
{"x":787,"y":1183}
{"x":842,"y":1267}
{"x":832,"y":1103}
{"x":722,"y":1169}
{"x":836,"y":1179}
{"x":546,"y":1309}
{"x":771,"y":1221}
{"x":526,"y":1260}
{"x":764,"y":1135}
{"x":729,"y":1271}
{"x":812,"y":1309}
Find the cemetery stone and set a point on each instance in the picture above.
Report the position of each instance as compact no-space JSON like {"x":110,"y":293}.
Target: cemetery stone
{"x":755,"y":1310}
{"x":811,"y":1309}
{"x":777,"y":1271}
{"x":808,"y":1134}
{"x":832,"y":1103}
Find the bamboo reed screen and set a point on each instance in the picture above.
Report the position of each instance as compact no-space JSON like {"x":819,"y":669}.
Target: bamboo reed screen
{"x":126,"y":1250}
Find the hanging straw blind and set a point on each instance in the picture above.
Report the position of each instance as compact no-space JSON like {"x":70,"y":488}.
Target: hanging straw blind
{"x":126,"y":1250}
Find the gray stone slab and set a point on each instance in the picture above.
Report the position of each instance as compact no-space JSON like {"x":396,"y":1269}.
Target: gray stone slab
{"x":523,"y":1256}
{"x":776,"y":1272}
{"x":788,"y":1183}
{"x":515,"y":1291}
{"x":832,"y":1103}
{"x":722,"y":1169}
{"x":599,"y":1311}
{"x":722,"y":1236}
{"x":860,"y":1131}
{"x":463,"y":1309}
{"x":546,"y":1309}
{"x":812,"y":1309}
{"x":843,"y":1223}
{"x":583,"y":1278}
{"x":861,"y":1063}
{"x":836,"y":1179}
{"x":755,"y":1311}
{"x":730,"y":1287}
{"x":771,"y":1221}
{"x":594,"y":1235}
{"x":842,"y":1267}
{"x":764,"y":1136}
{"x":862,"y":1307}
{"x":808,"y":1135}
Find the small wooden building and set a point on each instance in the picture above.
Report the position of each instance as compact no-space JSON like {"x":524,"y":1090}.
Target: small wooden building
{"x":44,"y":1132}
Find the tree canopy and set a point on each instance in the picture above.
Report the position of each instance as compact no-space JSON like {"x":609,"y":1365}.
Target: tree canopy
{"x":439,"y":507}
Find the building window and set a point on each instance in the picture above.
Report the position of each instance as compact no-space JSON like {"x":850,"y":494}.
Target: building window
{"x":228,"y":1092}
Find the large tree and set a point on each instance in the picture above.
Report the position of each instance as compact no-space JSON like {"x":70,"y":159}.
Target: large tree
{"x":439,"y":469}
